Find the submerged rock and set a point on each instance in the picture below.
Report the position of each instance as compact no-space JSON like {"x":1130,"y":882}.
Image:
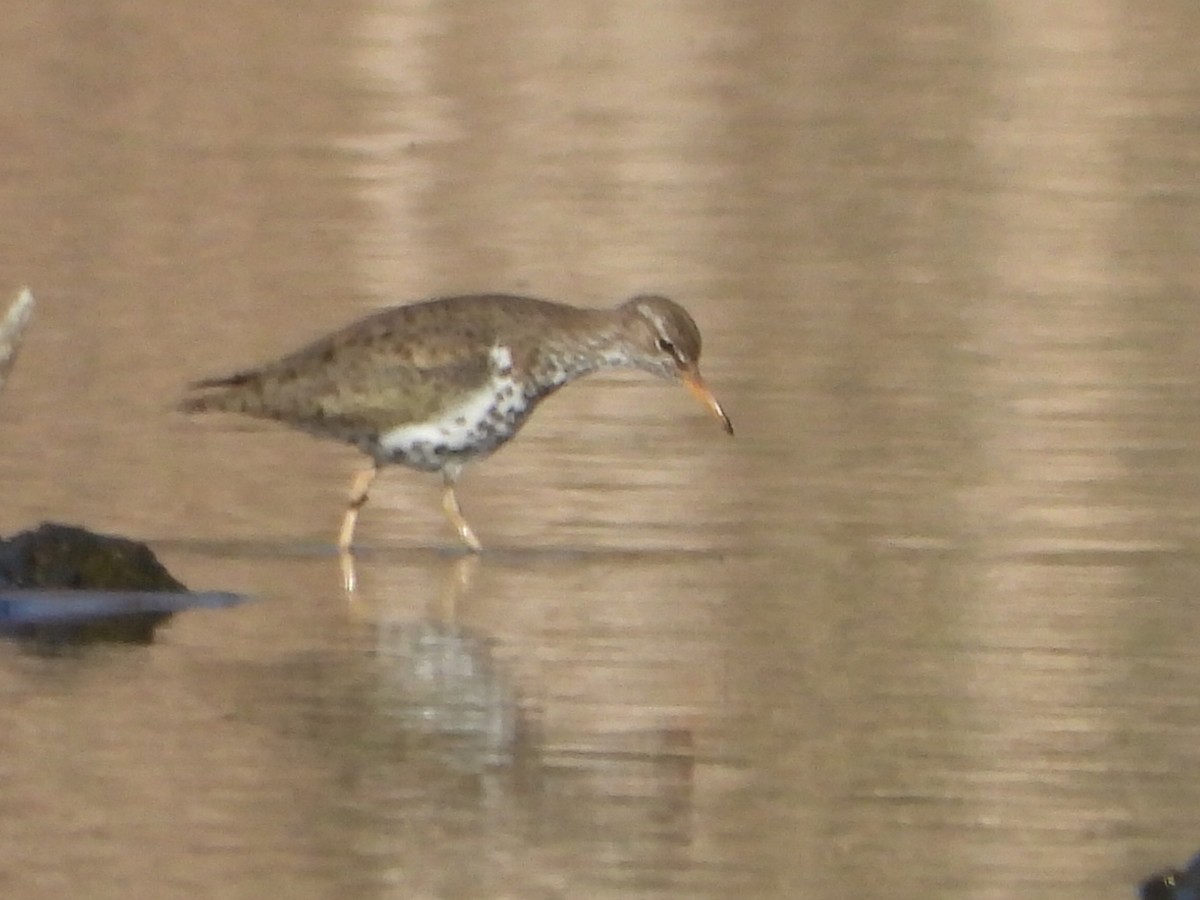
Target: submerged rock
{"x":1175,"y":884}
{"x":62,"y":583}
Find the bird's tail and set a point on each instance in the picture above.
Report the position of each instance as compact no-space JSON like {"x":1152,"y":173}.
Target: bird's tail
{"x":225,"y":394}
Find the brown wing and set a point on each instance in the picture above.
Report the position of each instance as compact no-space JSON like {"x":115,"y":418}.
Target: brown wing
{"x":398,"y":366}
{"x":377,"y":374}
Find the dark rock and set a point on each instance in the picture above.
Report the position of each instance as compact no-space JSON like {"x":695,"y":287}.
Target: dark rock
{"x":1174,"y":884}
{"x":66,"y":556}
{"x":64,"y":584}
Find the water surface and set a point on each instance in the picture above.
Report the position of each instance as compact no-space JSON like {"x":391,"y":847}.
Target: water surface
{"x":925,"y":628}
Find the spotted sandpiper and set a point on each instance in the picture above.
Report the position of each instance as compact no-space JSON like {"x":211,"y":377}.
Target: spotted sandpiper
{"x":441,"y":383}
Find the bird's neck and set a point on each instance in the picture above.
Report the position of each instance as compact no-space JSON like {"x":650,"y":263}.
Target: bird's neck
{"x":580,"y":352}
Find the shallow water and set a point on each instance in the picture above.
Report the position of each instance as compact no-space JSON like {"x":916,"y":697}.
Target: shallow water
{"x":924,"y":628}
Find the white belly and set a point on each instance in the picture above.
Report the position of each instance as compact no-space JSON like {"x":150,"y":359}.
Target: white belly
{"x":474,"y":427}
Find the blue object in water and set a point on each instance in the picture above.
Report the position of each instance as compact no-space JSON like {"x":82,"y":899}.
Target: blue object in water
{"x":57,"y":615}
{"x":1175,"y":884}
{"x":20,"y":607}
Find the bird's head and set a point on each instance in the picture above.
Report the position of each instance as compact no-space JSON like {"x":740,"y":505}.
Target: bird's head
{"x":663,"y":339}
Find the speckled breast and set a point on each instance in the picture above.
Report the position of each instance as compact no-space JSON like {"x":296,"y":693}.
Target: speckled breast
{"x":469,"y":430}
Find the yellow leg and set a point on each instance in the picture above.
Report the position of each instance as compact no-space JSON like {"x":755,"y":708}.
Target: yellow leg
{"x":454,"y":514}
{"x":359,"y":491}
{"x":349,"y":574}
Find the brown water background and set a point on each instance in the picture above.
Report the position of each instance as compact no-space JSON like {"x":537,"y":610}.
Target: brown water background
{"x":927,"y":628}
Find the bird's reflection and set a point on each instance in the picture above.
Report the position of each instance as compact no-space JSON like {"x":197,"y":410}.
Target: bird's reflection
{"x":430,"y":720}
{"x":457,"y":583}
{"x":438,"y":681}
{"x":435,"y":680}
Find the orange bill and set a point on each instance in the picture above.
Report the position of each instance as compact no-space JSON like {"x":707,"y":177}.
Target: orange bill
{"x":694,"y":383}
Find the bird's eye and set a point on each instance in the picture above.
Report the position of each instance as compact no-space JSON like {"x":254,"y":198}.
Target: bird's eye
{"x":666,"y":346}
